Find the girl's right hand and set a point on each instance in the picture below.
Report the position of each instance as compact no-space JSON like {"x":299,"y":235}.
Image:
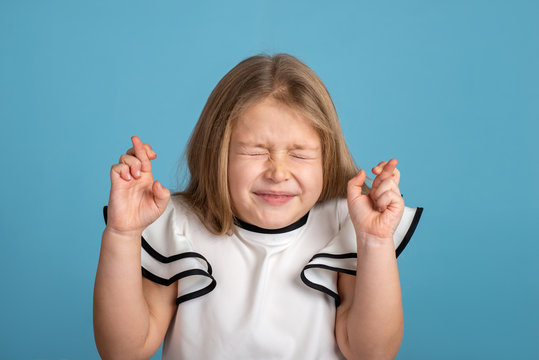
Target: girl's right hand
{"x":135,"y":200}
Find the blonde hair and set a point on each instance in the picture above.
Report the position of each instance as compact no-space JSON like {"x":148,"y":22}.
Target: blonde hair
{"x":285,"y":79}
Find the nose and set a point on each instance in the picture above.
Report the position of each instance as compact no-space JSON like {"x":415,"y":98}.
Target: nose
{"x":277,"y":169}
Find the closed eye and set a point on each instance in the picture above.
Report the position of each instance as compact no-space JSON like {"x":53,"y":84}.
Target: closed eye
{"x":301,"y":156}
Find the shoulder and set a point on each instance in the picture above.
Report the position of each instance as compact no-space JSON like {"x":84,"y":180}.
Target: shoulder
{"x":168,"y":234}
{"x":168,"y":253}
{"x":333,"y":210}
{"x":178,"y":205}
{"x":333,"y":214}
{"x":178,"y":213}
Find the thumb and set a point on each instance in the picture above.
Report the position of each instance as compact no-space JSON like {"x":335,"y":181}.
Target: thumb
{"x":355,"y":184}
{"x":161,"y":195}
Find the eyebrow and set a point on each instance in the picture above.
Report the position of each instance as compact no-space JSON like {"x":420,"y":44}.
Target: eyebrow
{"x":304,"y":147}
{"x":264,"y":146}
{"x":247,"y":144}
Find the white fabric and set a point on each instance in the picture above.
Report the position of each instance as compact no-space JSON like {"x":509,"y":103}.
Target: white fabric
{"x":260,"y":307}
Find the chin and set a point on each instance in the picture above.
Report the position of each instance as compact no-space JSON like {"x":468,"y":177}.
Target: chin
{"x":273,"y":225}
{"x":271,"y":222}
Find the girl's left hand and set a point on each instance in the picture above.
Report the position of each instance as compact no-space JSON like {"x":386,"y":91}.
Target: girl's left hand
{"x":377,"y":214}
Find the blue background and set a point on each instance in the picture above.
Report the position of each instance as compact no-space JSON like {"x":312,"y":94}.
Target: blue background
{"x":449,"y":88}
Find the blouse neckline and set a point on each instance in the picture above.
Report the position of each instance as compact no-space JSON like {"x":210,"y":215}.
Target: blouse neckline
{"x":253,"y":228}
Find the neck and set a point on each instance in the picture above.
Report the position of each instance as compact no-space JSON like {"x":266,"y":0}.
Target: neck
{"x":250,"y":227}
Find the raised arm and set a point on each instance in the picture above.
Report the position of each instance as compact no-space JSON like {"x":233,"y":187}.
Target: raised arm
{"x":369,"y":323}
{"x":131,"y":314}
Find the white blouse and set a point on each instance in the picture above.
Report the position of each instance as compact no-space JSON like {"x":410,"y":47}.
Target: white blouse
{"x":256,"y":294}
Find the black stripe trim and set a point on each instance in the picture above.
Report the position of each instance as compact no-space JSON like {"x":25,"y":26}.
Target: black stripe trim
{"x":254,"y":228}
{"x":165,"y":259}
{"x":167,"y":282}
{"x":331,"y":293}
{"x":168,"y":259}
{"x":334,"y":256}
{"x":183,"y":274}
{"x":332,"y":268}
{"x":321,"y":288}
{"x":410,"y":231}
{"x":197,"y":293}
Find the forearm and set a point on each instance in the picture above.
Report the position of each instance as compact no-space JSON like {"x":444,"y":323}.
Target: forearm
{"x":375,"y":320}
{"x":121,"y":316}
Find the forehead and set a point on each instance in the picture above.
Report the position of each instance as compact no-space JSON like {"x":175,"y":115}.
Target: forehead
{"x":270,"y":122}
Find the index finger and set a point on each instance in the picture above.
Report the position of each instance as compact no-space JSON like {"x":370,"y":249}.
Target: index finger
{"x":151,"y":154}
{"x":140,"y":153}
{"x":389,"y":168}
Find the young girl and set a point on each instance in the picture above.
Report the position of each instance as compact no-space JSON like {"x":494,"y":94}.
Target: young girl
{"x":275,"y":250}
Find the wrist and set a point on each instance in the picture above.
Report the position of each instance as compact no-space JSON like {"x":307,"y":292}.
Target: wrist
{"x":127,"y":235}
{"x":120,"y":246}
{"x":370,"y":240}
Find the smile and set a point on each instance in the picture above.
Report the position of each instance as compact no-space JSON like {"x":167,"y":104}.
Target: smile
{"x":275,"y":197}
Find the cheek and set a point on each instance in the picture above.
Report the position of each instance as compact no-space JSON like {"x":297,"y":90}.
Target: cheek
{"x":234,"y":181}
{"x":313,"y":179}
{"x":240,"y":177}
{"x":318,"y":181}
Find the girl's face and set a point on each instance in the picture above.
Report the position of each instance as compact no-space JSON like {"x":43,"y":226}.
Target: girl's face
{"x":274,"y":165}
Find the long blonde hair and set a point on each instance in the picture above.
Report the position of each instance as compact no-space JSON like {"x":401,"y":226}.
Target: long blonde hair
{"x":285,"y":79}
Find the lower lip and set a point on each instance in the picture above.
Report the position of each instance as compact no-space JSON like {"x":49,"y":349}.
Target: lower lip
{"x":275,"y":199}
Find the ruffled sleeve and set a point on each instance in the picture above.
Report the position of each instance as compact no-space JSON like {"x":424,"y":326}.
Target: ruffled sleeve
{"x":340,"y":255}
{"x":167,"y":256}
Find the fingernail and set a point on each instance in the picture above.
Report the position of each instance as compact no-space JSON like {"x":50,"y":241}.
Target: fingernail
{"x":138,"y":172}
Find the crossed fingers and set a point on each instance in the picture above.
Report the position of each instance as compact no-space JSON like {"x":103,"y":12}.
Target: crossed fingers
{"x":383,"y":172}
{"x":136,"y":159}
{"x":385,"y":187}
